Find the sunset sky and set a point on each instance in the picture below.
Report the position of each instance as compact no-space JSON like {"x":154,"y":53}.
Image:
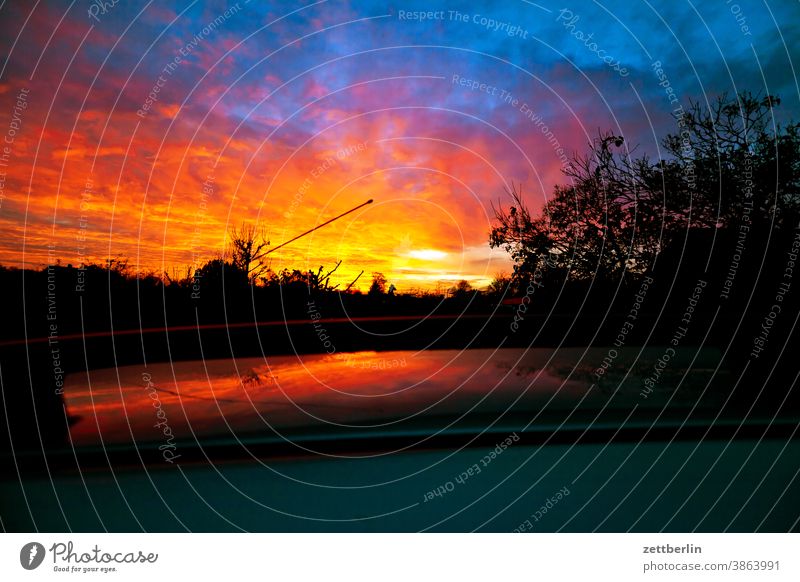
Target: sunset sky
{"x":140,"y":131}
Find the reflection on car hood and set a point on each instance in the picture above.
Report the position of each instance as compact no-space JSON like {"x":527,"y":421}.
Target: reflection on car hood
{"x":378,"y":391}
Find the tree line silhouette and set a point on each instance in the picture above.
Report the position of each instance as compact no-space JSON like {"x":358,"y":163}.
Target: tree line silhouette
{"x":618,"y":217}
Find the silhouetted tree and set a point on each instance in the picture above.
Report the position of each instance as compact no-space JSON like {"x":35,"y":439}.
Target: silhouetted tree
{"x":618,"y":211}
{"x":247,"y":249}
{"x":499,"y":285}
{"x":217,"y":273}
{"x":461,"y":289}
{"x":378,"y":286}
{"x":736,"y":159}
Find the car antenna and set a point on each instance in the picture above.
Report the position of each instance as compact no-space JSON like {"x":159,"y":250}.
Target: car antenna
{"x":318,"y":226}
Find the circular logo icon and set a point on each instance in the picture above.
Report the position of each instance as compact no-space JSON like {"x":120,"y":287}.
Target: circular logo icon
{"x":31,"y":555}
